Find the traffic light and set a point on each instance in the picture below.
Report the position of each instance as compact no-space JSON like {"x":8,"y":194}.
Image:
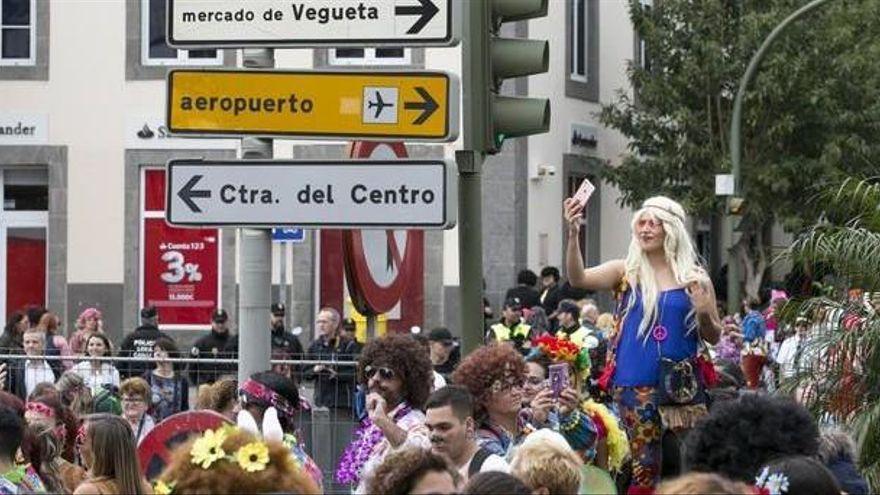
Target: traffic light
{"x":490,"y":59}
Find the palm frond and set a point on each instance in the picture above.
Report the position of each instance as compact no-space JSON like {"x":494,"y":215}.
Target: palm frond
{"x":851,"y":252}
{"x":854,"y":199}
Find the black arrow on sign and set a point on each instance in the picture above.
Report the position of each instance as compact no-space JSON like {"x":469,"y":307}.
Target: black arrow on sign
{"x":428,"y":106}
{"x":427,"y":10}
{"x":187,"y":192}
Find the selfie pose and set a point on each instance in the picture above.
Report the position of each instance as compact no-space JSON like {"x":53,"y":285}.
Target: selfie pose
{"x":666,"y":307}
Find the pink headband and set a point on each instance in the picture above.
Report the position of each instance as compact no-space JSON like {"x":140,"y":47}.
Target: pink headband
{"x":39,"y":408}
{"x":257,"y":391}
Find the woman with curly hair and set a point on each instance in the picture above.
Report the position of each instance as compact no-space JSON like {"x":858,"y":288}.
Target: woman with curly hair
{"x":397,"y":374}
{"x":495,"y":375}
{"x":412,"y":471}
{"x":242,"y":464}
{"x":89,"y":322}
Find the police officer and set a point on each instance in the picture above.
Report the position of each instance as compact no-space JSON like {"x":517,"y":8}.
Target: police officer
{"x":141,"y":344}
{"x":218,"y":344}
{"x":511,"y":328}
{"x":282,"y":339}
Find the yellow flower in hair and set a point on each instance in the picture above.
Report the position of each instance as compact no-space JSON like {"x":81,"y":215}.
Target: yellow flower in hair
{"x":209,"y":448}
{"x":253,"y":457}
{"x":162,"y":488}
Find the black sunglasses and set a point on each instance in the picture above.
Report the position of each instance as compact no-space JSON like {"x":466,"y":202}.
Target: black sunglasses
{"x":384,"y":373}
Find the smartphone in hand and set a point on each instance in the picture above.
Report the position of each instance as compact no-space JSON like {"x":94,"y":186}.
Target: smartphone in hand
{"x":558,"y":378}
{"x":582,"y":195}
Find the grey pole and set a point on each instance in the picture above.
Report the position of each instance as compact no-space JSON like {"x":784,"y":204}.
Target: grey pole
{"x":733,"y":286}
{"x":474,"y":56}
{"x":255,"y":260}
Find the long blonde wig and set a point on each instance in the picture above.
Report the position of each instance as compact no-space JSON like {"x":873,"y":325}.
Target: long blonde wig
{"x":680,"y":255}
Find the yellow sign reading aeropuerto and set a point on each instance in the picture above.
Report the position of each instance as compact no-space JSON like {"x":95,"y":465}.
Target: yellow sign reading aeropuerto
{"x":386,"y":105}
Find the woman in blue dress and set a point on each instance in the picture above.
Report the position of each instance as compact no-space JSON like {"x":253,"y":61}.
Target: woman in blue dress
{"x":666,"y":305}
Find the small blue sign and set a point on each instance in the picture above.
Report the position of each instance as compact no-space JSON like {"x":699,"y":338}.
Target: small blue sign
{"x":296,"y":236}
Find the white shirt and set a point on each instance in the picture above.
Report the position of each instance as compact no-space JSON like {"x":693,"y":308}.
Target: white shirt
{"x":492,"y":463}
{"x":36,"y":372}
{"x":787,"y":356}
{"x":439,"y":381}
{"x":413,"y":423}
{"x":95,"y":379}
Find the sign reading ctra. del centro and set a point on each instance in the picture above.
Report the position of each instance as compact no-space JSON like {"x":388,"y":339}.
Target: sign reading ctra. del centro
{"x":412,"y":106}
{"x":366,"y":194}
{"x":310,"y":23}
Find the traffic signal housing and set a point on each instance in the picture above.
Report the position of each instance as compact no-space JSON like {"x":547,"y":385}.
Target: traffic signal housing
{"x":491,"y":59}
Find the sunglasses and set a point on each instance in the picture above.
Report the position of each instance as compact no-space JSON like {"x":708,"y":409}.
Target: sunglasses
{"x":384,"y":373}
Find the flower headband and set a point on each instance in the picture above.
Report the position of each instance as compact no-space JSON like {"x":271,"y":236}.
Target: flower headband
{"x":208,"y":450}
{"x":40,"y":408}
{"x":255,"y":390}
{"x":564,"y":350}
{"x":771,"y":484}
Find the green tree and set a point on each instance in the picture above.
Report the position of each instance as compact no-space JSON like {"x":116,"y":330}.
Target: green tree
{"x":810,"y":117}
{"x":843,"y":379}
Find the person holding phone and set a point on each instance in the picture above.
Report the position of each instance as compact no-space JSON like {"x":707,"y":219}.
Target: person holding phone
{"x":666,"y":306}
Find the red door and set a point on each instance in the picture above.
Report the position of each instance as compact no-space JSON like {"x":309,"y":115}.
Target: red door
{"x":25,"y":267}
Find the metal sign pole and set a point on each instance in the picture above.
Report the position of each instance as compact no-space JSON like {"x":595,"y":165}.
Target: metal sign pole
{"x":371,"y":327}
{"x":255,"y":261}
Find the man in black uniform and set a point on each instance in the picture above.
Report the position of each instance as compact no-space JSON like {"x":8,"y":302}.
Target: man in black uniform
{"x":282,"y":340}
{"x":218,"y":344}
{"x":140,"y":344}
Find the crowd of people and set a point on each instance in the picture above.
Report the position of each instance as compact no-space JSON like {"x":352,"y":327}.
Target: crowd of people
{"x":659,"y":394}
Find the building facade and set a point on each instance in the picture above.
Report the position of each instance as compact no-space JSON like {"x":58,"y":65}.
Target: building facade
{"x":83,"y":146}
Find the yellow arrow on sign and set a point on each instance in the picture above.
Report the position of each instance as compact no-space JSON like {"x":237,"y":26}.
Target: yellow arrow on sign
{"x":387,"y":105}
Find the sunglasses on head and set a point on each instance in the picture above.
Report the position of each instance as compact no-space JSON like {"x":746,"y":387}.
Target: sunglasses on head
{"x":384,"y":373}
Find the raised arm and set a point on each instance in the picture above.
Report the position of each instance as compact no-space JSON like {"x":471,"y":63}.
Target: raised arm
{"x":606,"y":276}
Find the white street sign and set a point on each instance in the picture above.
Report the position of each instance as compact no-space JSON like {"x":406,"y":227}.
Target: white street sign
{"x":310,"y":23}
{"x":363,"y":194}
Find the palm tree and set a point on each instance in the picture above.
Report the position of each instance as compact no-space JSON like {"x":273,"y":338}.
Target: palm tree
{"x":843,"y":381}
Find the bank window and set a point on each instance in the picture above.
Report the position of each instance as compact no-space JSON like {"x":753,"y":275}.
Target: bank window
{"x":17,"y":32}
{"x":578,"y":49}
{"x":154,"y":46}
{"x":370,"y":56}
{"x":26,"y":189}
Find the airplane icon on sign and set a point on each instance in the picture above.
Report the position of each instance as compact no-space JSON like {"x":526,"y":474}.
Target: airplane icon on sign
{"x":379,"y":105}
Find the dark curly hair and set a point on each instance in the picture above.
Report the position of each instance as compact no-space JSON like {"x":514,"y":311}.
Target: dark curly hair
{"x":401,"y":470}
{"x":740,"y":436}
{"x":407,"y":358}
{"x":483,"y":367}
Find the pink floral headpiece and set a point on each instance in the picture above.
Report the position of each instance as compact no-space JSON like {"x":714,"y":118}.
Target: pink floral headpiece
{"x":40,"y":408}
{"x":255,"y":390}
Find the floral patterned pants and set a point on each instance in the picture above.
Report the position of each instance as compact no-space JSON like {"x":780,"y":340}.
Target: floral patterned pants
{"x":638,"y":411}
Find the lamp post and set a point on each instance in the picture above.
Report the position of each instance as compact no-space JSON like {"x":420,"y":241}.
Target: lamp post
{"x":735,"y":201}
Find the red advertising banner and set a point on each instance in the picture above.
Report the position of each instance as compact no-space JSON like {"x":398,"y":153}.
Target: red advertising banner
{"x":181,"y":273}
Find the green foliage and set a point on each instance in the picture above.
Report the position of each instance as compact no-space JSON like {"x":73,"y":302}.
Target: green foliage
{"x":811,"y":117}
{"x":845,"y":380}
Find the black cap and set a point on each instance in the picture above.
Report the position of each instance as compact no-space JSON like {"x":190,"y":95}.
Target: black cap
{"x":349,"y":324}
{"x":148,"y":312}
{"x":440,"y":334}
{"x":219,"y":316}
{"x":277,"y":309}
{"x":568,"y":307}
{"x":513,"y":303}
